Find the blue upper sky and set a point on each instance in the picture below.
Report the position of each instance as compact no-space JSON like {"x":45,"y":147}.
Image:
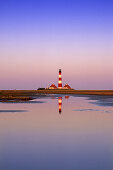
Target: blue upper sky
{"x":56,"y":10}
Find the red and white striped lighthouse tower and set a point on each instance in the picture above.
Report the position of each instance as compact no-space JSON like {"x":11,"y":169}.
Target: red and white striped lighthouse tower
{"x":60,"y":80}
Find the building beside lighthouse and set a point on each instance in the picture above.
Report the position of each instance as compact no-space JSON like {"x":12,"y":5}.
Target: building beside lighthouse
{"x":67,"y":87}
{"x":53,"y":86}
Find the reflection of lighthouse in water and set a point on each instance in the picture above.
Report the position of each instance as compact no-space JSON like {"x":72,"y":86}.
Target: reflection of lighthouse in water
{"x":60,"y":104}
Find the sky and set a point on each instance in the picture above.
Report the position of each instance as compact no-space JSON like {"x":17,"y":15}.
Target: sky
{"x":37,"y":37}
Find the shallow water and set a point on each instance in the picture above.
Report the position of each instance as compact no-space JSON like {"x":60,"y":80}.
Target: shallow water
{"x":57,"y":133}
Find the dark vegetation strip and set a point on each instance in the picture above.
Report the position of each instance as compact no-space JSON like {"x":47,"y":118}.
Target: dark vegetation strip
{"x":82,"y":92}
{"x":30,"y":93}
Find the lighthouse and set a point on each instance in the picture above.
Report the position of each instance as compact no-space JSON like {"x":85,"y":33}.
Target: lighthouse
{"x":60,"y":80}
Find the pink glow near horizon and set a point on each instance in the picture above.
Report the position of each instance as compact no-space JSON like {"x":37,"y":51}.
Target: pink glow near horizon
{"x":80,"y":73}
{"x":85,"y":64}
